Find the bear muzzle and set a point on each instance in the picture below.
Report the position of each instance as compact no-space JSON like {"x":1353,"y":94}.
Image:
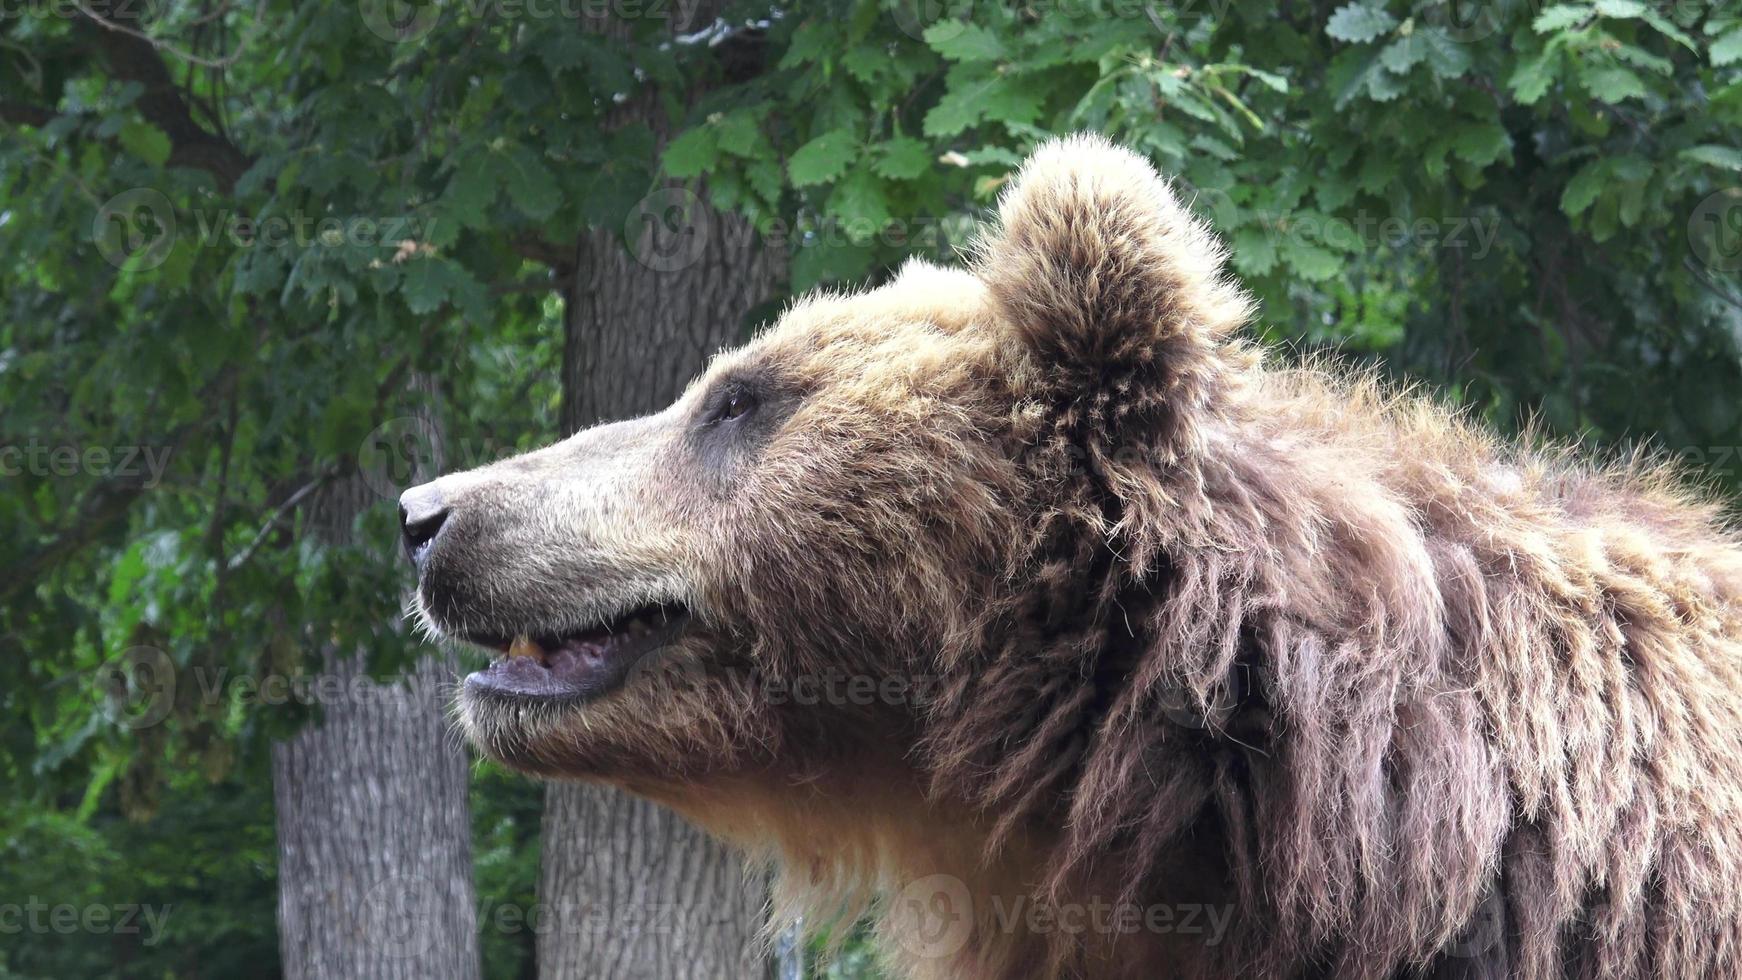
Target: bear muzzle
{"x":580,"y":665}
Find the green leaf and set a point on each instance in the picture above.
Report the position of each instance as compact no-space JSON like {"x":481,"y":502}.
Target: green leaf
{"x":859,"y":202}
{"x":1014,"y":100}
{"x":470,"y":190}
{"x":828,"y":261}
{"x":740,"y":134}
{"x":1663,"y":25}
{"x":608,"y":71}
{"x":1215,"y":147}
{"x":1311,"y":262}
{"x":693,"y":153}
{"x":1727,"y":48}
{"x":993,"y":156}
{"x":958,"y":41}
{"x":1531,"y":79}
{"x":1728,"y":157}
{"x":1559,"y":18}
{"x":1612,"y":85}
{"x":563,"y":50}
{"x":145,"y":141}
{"x":823,"y":159}
{"x":1377,"y":174}
{"x":956,"y":111}
{"x":530,"y":185}
{"x":1346,"y":76}
{"x":865,"y":63}
{"x":1184,"y":96}
{"x":1641,"y":58}
{"x":612,"y":193}
{"x":1271,"y":80}
{"x":1404,"y":53}
{"x":1632,"y":202}
{"x":467,"y":294}
{"x":424,"y":285}
{"x":812,"y":41}
{"x":1584,"y":188}
{"x":1383,"y":86}
{"x":1447,"y":58}
{"x":1254,"y":252}
{"x":1358,"y":23}
{"x":1480,"y":143}
{"x":763,"y":176}
{"x":1621,"y":8}
{"x":902,"y":158}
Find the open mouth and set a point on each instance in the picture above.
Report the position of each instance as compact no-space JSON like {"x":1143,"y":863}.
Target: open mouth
{"x":576,"y":666}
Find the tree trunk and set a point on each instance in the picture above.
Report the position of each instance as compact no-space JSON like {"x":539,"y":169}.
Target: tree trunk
{"x":631,"y":891}
{"x":374,"y":828}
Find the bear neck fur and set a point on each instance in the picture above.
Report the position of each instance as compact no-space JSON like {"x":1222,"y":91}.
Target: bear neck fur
{"x":1392,"y":695}
{"x":1402,"y":698}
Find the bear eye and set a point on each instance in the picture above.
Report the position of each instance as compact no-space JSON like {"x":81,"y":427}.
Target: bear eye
{"x":736,"y":403}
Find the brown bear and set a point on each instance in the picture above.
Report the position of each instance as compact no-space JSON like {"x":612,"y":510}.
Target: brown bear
{"x":1032,"y":610}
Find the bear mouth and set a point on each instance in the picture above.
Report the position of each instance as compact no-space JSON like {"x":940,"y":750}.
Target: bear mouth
{"x":576,"y":666}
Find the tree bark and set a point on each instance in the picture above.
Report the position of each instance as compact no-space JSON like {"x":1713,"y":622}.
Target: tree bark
{"x":630,"y":890}
{"x":374,"y":828}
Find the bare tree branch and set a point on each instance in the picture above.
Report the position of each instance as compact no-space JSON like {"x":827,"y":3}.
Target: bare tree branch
{"x":278,"y":515}
{"x":539,"y":250}
{"x":119,"y":25}
{"x":134,"y":57}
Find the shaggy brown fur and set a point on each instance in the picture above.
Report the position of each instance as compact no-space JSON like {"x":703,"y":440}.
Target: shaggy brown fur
{"x":1400,"y":698}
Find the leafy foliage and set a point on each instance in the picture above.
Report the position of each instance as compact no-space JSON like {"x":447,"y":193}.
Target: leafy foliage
{"x":257,"y":242}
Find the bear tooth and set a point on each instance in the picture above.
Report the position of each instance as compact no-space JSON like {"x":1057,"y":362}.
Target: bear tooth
{"x":524,"y":647}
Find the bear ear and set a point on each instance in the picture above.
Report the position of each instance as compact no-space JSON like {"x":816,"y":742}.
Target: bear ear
{"x":1098,"y":266}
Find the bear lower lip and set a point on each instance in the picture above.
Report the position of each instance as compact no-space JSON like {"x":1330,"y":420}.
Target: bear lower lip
{"x":577,"y":666}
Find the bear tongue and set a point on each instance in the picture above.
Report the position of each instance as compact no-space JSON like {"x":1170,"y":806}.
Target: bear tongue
{"x":557,"y":653}
{"x":577,"y":662}
{"x":587,"y":646}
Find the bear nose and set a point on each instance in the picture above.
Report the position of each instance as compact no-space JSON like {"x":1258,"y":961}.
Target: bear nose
{"x":422,"y":512}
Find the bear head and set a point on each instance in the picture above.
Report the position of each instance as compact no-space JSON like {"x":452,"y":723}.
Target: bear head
{"x":799,"y":573}
{"x":794,"y":555}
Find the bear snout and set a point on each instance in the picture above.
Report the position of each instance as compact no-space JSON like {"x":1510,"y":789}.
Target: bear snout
{"x":423,"y":512}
